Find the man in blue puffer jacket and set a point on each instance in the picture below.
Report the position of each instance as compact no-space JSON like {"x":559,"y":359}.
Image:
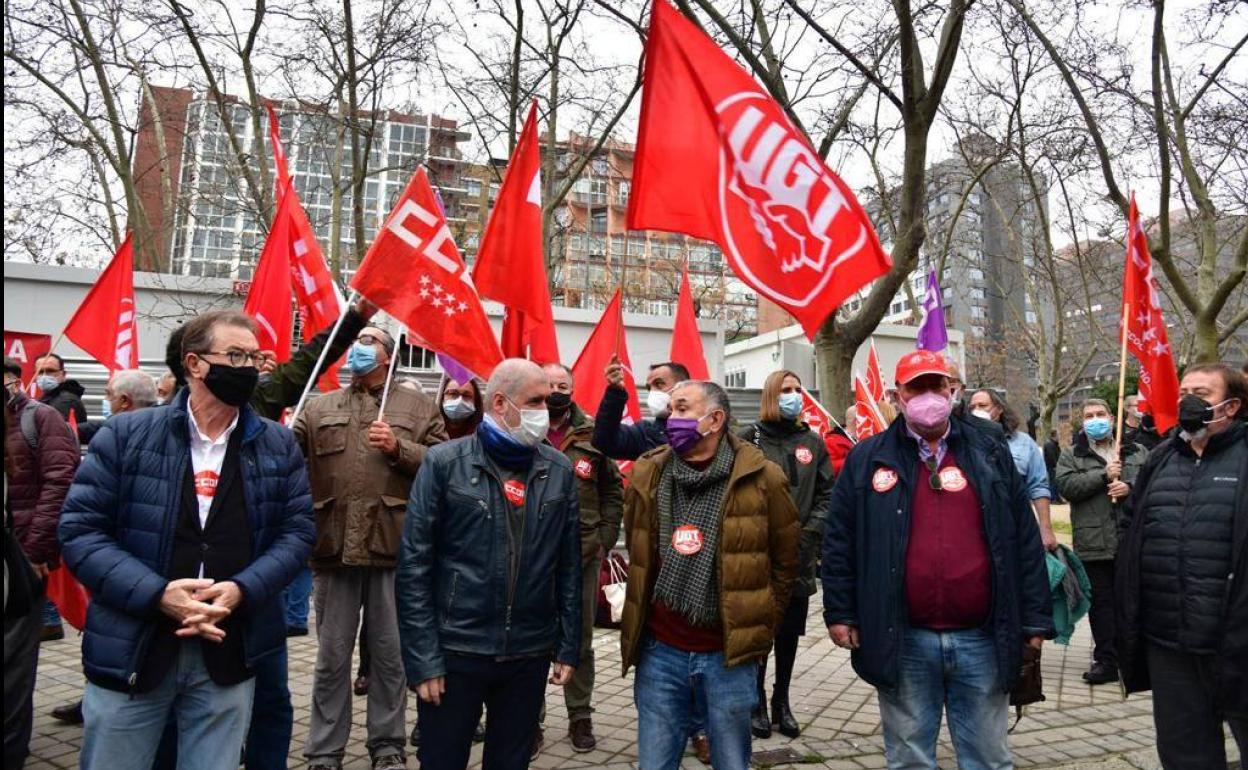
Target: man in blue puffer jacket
{"x":185,"y":524}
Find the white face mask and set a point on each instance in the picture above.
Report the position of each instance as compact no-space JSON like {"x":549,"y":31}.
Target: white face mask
{"x":658,"y":402}
{"x":982,"y":414}
{"x":534,"y":424}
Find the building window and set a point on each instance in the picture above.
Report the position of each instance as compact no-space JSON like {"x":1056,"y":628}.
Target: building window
{"x":735,"y":379}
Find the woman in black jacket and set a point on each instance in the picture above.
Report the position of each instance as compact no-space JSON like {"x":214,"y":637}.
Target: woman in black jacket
{"x":803,"y":456}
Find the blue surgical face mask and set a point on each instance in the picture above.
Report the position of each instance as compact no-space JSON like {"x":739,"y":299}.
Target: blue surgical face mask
{"x":47,"y":383}
{"x":361,"y":359}
{"x":106,"y":407}
{"x":790,"y":405}
{"x":458,"y":408}
{"x":1097,"y":428}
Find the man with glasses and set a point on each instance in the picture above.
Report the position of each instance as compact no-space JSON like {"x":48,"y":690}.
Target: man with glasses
{"x":934,"y":574}
{"x":185,"y":523}
{"x":361,"y":462}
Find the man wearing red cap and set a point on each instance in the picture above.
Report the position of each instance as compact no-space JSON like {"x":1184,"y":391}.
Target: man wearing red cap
{"x":934,"y":574}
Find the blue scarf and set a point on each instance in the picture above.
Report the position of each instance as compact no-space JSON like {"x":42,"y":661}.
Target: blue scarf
{"x":502,"y":448}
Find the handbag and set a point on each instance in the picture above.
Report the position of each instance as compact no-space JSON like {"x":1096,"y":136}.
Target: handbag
{"x":1029,"y":688}
{"x":612,"y":584}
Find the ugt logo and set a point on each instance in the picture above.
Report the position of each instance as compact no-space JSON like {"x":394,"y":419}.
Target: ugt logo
{"x":770,"y":177}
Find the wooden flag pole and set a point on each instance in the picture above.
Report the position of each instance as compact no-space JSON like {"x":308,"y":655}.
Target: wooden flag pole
{"x":385,"y":393}
{"x":320,"y":360}
{"x":1122,"y":383}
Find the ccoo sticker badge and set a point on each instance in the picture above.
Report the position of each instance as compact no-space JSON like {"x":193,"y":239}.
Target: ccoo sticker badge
{"x":514,"y":491}
{"x":952,"y":479}
{"x":884,"y":479}
{"x":584,"y":468}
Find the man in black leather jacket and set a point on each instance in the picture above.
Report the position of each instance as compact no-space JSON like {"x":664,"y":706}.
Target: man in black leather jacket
{"x":489,"y":578}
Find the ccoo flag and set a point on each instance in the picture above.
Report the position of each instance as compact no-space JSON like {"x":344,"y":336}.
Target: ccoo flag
{"x":1145,"y":328}
{"x":718,"y":159}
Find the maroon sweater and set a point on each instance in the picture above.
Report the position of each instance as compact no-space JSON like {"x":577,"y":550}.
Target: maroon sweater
{"x":948,"y":570}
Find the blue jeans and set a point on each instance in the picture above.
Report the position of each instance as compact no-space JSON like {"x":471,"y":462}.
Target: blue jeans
{"x":123,"y":730}
{"x":272,"y":716}
{"x":954,"y":672}
{"x":668,"y":681}
{"x":296,"y":597}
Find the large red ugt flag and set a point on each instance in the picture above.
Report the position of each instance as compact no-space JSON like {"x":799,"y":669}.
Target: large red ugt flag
{"x":717,"y":158}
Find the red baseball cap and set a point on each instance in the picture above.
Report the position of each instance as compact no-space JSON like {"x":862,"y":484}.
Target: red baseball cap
{"x":919,"y":363}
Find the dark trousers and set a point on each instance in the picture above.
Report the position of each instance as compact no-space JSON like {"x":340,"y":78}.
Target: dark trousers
{"x":511,"y":691}
{"x":21,"y":656}
{"x":1189,"y":728}
{"x":272,"y":717}
{"x":1101,"y":613}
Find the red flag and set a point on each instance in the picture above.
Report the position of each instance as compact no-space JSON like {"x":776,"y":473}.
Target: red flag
{"x":867,"y":418}
{"x":26,"y":349}
{"x":511,"y":267}
{"x":1146,"y":328}
{"x":73,"y":423}
{"x":605,"y":341}
{"x":282,"y":184}
{"x":718,"y":159}
{"x":268,"y":299}
{"x":104,"y":323}
{"x":686,"y":340}
{"x":414,"y":272}
{"x":68,"y":595}
{"x":317,"y":294}
{"x":814,"y":415}
{"x":875,"y":375}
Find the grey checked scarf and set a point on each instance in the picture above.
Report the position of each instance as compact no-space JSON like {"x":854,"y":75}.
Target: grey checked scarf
{"x":687,"y":585}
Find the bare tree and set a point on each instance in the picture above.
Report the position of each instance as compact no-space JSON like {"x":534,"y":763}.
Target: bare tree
{"x":1196,"y":110}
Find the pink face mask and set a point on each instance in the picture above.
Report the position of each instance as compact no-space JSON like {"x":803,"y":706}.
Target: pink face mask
{"x":927,"y":410}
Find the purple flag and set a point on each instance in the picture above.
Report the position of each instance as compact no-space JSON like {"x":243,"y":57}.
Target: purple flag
{"x":932,"y":334}
{"x":454,"y":369}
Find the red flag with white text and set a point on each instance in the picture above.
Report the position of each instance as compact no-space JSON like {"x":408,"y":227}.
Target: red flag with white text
{"x":875,"y":375}
{"x":26,"y":348}
{"x":510,"y":266}
{"x":718,"y":159}
{"x":814,"y":415}
{"x":867,"y":415}
{"x":414,"y":272}
{"x":268,"y":299}
{"x":605,"y":341}
{"x":686,"y":339}
{"x":104,"y":324}
{"x":1146,"y":328}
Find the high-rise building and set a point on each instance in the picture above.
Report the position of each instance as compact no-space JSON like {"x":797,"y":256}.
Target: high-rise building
{"x":990,"y":226}
{"x":215,"y":228}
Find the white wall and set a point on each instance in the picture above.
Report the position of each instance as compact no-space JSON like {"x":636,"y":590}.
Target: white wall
{"x":788,"y":348}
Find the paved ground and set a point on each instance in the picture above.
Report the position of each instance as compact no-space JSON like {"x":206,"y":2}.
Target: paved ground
{"x":1077,"y":727}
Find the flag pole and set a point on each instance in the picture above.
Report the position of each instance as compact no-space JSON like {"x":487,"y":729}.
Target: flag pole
{"x":385,"y":393}
{"x":320,"y":360}
{"x":1122,"y":380}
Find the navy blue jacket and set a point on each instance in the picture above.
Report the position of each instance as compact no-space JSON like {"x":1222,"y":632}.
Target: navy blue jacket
{"x":866,"y":535}
{"x":453,"y":586}
{"x":624,"y":442}
{"x":118,"y":521}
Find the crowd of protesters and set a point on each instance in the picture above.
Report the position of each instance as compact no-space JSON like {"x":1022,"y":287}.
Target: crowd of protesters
{"x":458,"y":539}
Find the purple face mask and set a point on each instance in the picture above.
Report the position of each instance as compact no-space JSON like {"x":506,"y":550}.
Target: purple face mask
{"x":927,"y":410}
{"x":683,"y":434}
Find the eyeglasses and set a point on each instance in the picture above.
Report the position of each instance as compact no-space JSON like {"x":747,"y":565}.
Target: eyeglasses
{"x":933,"y":470}
{"x":370,"y":339}
{"x":239,"y":358}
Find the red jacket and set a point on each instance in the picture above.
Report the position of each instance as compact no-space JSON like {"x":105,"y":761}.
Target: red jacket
{"x":838,"y":448}
{"x":40,"y":478}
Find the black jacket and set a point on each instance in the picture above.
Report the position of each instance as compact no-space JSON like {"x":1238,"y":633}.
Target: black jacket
{"x":452,"y":582}
{"x":625,"y":442}
{"x":66,"y":398}
{"x":803,"y":456}
{"x":866,"y":536}
{"x":1144,"y":434}
{"x":1182,"y":504}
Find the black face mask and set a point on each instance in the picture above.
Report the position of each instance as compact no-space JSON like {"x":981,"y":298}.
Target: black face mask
{"x":558,"y":404}
{"x":1194,"y":413}
{"x":232,"y":385}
